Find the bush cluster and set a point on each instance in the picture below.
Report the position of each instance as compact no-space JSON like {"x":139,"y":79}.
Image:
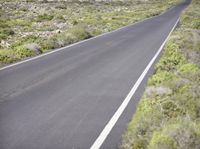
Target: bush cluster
{"x":171,"y":120}
{"x":5,"y":30}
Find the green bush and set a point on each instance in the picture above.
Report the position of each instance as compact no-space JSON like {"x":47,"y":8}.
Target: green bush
{"x":5,"y":29}
{"x":182,"y":135}
{"x":162,"y":141}
{"x":67,"y":38}
{"x":44,"y":17}
{"x":25,"y":40}
{"x":171,"y":109}
{"x":140,"y":128}
{"x":161,"y":77}
{"x":80,"y":32}
{"x":172,"y":58}
{"x":5,"y":59}
{"x":48,"y":44}
{"x":7,"y":56}
{"x":188,"y":68}
{"x":22,"y":52}
{"x":57,"y":41}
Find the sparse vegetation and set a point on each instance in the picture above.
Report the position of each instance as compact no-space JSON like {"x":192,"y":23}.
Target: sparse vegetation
{"x":54,"y":24}
{"x":168,"y":115}
{"x":5,"y":30}
{"x":44,"y":17}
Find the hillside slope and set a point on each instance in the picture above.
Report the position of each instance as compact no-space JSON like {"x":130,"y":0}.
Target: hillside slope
{"x":29,"y":27}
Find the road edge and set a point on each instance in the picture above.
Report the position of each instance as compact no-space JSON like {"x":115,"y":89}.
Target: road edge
{"x":76,"y":43}
{"x":107,"y":129}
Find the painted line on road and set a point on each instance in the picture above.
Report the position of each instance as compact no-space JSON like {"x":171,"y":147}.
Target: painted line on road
{"x":107,"y":129}
{"x":68,"y":46}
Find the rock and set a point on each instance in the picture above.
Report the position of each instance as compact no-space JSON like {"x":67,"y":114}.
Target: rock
{"x":34,"y":47}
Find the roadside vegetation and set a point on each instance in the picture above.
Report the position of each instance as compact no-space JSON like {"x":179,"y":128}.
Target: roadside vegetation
{"x":31,"y":27}
{"x":168,"y":115}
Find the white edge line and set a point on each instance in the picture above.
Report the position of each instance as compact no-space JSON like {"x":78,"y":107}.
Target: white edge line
{"x":68,"y":46}
{"x":101,"y":138}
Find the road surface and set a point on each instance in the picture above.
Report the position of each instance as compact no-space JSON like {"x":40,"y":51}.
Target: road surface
{"x":63,"y":100}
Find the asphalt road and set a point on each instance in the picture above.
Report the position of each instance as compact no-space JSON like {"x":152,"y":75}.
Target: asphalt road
{"x":64,"y":100}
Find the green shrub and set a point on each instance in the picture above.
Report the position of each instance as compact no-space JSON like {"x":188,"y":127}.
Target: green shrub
{"x":57,"y":41}
{"x":182,"y":135}
{"x":7,"y":56}
{"x":66,"y":38}
{"x":96,"y":32}
{"x":147,"y":118}
{"x":186,"y":134}
{"x":80,"y":32}
{"x":172,"y":58}
{"x":22,"y":52}
{"x":24,"y":40}
{"x":170,"y":109}
{"x":48,"y":44}
{"x":162,"y":141}
{"x":44,"y":17}
{"x":161,"y":77}
{"x":5,"y":59}
{"x":188,"y":68}
{"x":74,"y":22}
{"x":5,"y":29}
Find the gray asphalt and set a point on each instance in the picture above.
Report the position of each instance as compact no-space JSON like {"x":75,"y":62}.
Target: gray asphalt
{"x":63,"y":100}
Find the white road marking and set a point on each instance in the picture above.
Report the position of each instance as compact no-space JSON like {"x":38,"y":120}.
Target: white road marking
{"x":101,"y":138}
